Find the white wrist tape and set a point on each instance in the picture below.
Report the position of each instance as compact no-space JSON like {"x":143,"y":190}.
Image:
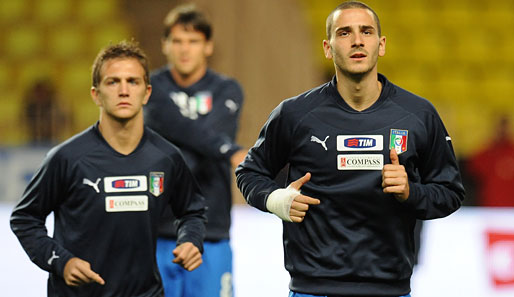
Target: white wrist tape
{"x":279,"y":202}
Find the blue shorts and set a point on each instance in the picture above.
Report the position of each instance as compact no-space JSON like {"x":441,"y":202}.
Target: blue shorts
{"x":212,"y":278}
{"x":294,"y":294}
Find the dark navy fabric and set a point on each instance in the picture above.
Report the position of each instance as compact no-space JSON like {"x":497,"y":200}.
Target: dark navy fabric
{"x":359,"y":240}
{"x":202,"y":120}
{"x":107,"y":207}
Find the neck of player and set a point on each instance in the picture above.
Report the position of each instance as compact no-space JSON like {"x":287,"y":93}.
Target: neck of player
{"x":359,"y":92}
{"x":185,"y":80}
{"x":122,"y":135}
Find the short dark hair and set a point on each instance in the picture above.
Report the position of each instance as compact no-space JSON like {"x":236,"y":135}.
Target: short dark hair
{"x":187,"y":15}
{"x":123,"y":49}
{"x":349,"y":5}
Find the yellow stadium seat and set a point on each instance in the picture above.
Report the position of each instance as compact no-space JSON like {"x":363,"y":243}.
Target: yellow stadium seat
{"x":5,"y":75}
{"x":34,"y":69}
{"x":94,"y":11}
{"x":108,"y":34}
{"x":24,"y":41}
{"x":11,"y":127}
{"x":13,"y":11}
{"x":75,"y":85}
{"x":52,"y":11}
{"x":67,"y":42}
{"x":76,"y":77}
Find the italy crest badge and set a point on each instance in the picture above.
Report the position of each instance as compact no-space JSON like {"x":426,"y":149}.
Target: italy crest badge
{"x":156,"y":183}
{"x":398,"y":140}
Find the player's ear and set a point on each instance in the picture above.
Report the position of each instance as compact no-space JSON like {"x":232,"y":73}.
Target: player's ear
{"x":327,"y":49}
{"x":165,"y":46}
{"x":148,"y":93}
{"x":209,"y":48}
{"x":95,"y":95}
{"x":382,"y":46}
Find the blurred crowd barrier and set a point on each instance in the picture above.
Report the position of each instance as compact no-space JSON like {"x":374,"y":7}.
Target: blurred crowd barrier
{"x":470,"y":253}
{"x":17,"y":166}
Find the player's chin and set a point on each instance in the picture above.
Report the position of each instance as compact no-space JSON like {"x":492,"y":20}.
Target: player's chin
{"x":184,"y":69}
{"x":124,"y":115}
{"x":360,"y":70}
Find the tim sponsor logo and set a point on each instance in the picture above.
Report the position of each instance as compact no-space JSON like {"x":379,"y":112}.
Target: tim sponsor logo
{"x":135,"y":183}
{"x":360,"y":162}
{"x":360,"y":142}
{"x":125,"y":184}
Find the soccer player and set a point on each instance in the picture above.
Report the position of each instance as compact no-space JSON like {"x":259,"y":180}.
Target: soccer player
{"x":197,"y":109}
{"x":492,"y":168}
{"x":366,"y":159}
{"x":108,"y":187}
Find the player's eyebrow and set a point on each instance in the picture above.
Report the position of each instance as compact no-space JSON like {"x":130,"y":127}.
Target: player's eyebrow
{"x":366,"y":27}
{"x":118,"y":78}
{"x":349,"y":28}
{"x":345,"y":29}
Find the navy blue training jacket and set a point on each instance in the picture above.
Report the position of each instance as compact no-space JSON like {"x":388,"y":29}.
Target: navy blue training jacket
{"x":359,"y":240}
{"x":107,"y":207}
{"x":202,"y":120}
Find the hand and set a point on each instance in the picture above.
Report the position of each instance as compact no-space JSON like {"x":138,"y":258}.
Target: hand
{"x":394,"y":178}
{"x":78,"y":272}
{"x":188,"y":256}
{"x":301,"y":203}
{"x":238,"y":157}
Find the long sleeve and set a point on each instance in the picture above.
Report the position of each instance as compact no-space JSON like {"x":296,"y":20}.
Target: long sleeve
{"x":439,"y":191}
{"x":255,"y":176}
{"x":41,"y":197}
{"x":345,"y":151}
{"x":188,"y":205}
{"x":163,"y":116}
{"x":226,"y":120}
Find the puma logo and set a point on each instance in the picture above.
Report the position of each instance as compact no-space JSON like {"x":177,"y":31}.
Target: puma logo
{"x":316,"y":139}
{"x":231,"y":105}
{"x":52,"y":258}
{"x":92,"y":184}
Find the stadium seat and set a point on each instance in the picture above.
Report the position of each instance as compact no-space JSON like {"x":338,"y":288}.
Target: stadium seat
{"x":67,"y":43}
{"x":23,"y":42}
{"x":53,"y":11}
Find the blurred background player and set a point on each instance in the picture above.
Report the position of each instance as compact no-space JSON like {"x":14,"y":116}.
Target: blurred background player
{"x":369,"y":158}
{"x":45,"y":119}
{"x":492,"y":168}
{"x":108,"y":187}
{"x":197,"y":109}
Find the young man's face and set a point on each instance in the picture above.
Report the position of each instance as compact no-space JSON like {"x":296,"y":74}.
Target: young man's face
{"x":122,"y":90}
{"x":354,"y":45}
{"x":187,"y":50}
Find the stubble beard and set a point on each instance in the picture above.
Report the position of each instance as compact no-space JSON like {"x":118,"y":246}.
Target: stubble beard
{"x":353,"y":74}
